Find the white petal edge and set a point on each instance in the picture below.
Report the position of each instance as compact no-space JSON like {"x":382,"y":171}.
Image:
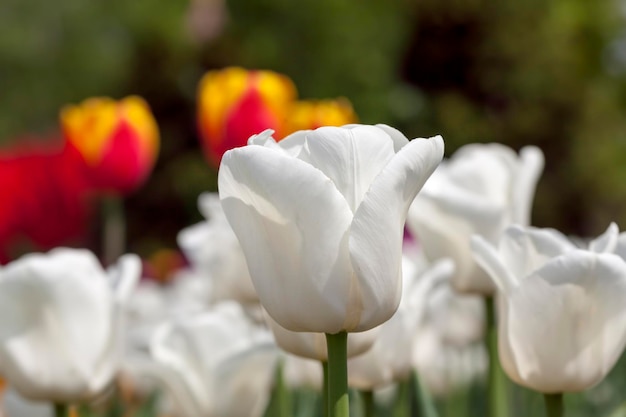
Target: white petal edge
{"x":292,"y":224}
{"x":531,"y":167}
{"x":377,"y":230}
{"x":125,"y":275}
{"x":607,"y":241}
{"x":488,"y":258}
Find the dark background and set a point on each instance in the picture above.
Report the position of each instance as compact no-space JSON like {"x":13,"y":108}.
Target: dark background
{"x":550,"y":74}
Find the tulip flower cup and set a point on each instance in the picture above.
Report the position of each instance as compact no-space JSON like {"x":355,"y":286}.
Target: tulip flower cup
{"x":320,"y":218}
{"x":562,"y":322}
{"x":61,"y":324}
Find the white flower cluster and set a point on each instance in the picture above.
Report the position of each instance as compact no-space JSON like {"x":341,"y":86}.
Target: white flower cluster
{"x":307,"y":237}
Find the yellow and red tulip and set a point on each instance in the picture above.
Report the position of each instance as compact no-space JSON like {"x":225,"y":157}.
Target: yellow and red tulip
{"x":118,"y":140}
{"x":311,"y":114}
{"x":235,"y":103}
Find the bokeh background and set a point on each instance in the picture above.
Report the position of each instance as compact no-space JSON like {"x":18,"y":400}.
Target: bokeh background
{"x":552,"y":74}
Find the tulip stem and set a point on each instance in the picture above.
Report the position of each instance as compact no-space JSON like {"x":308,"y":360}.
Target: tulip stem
{"x":61,"y":410}
{"x":498,"y":405}
{"x":114,"y":229}
{"x":325,"y":388}
{"x":554,"y":405}
{"x":425,"y":404}
{"x":402,"y":403}
{"x":338,"y":400}
{"x":369,"y":406}
{"x":280,"y":403}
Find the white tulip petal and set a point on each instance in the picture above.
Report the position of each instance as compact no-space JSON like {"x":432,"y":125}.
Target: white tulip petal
{"x":351,"y":158}
{"x":194,"y":347}
{"x":293,"y":143}
{"x":458,"y":201}
{"x":399,"y":140}
{"x":290,"y":145}
{"x":210,"y":206}
{"x":304,"y":373}
{"x":484,"y":171}
{"x":177,"y":389}
{"x":532,"y":162}
{"x":620,"y":247}
{"x":171,"y":347}
{"x":192,"y":240}
{"x":57,"y":332}
{"x":200,"y":354}
{"x":377,"y":229}
{"x":488,"y":258}
{"x":243,"y":382}
{"x":15,"y":405}
{"x":313,"y":345}
{"x":566,"y":326}
{"x":525,"y":249}
{"x":303,"y":344}
{"x":448,"y":236}
{"x":607,"y":241}
{"x":263,"y":139}
{"x":282,"y":210}
{"x":124,"y":276}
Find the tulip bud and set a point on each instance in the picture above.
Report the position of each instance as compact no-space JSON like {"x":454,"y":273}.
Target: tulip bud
{"x":320,"y":219}
{"x":481,"y":190}
{"x":118,"y":140}
{"x":234,"y":104}
{"x":307,"y":114}
{"x":218,"y":363}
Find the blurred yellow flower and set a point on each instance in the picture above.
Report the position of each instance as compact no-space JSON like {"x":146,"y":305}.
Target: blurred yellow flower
{"x":311,"y":114}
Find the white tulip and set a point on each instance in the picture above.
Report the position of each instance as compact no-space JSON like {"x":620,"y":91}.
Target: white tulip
{"x":320,"y":218}
{"x":481,"y":190}
{"x":61,"y":319}
{"x":214,"y":251}
{"x":218,"y":363}
{"x":562,"y":321}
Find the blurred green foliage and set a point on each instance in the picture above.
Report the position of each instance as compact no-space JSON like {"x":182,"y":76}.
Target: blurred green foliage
{"x":545,"y":73}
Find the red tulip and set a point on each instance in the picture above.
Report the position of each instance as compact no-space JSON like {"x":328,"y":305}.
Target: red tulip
{"x":44,"y":197}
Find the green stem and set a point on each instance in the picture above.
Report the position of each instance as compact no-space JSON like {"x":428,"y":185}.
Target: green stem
{"x":554,"y":405}
{"x":498,"y":399}
{"x":425,"y":404}
{"x":338,"y":400}
{"x":61,"y":410}
{"x":369,"y":406}
{"x":402,"y":404}
{"x":114,"y":229}
{"x":283,"y":399}
{"x":325,"y":388}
